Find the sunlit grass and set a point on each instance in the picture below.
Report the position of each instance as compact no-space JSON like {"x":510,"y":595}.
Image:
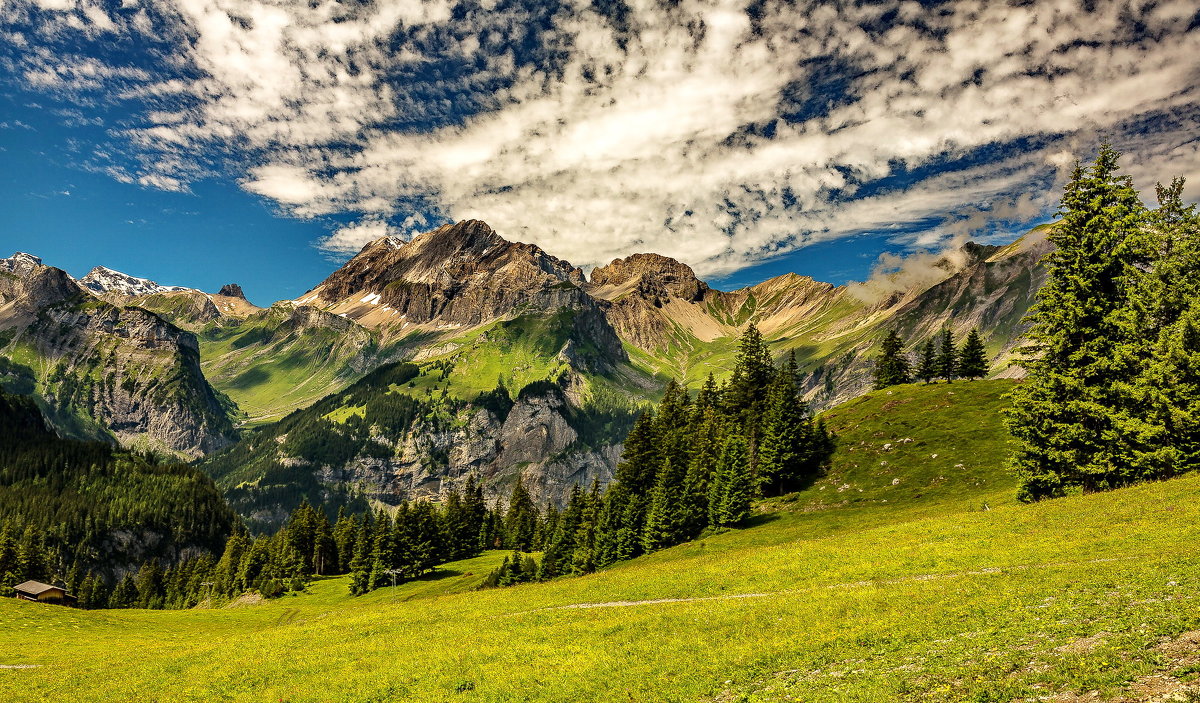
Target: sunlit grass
{"x":928,"y":597}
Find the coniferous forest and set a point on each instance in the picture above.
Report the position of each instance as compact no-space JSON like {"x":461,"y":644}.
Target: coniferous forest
{"x":695,"y":464}
{"x":1113,"y":389}
{"x":1112,"y":398}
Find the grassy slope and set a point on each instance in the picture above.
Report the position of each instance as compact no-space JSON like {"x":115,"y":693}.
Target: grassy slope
{"x":269,"y":374}
{"x":923,"y":598}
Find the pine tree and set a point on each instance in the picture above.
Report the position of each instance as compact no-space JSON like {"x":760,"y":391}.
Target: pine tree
{"x":560,"y":549}
{"x":731,"y":489}
{"x":148,"y":584}
{"x":665,"y":515}
{"x":345,"y":530}
{"x":476,"y":511}
{"x":641,"y":456}
{"x":520,"y":522}
{"x":753,"y":370}
{"x":707,"y":441}
{"x":972,"y":358}
{"x":787,"y":436}
{"x":1064,"y":416}
{"x":586,"y":556}
{"x":892,"y":366}
{"x":124,"y":595}
{"x":928,"y":369}
{"x":31,"y":556}
{"x":9,"y":571}
{"x":1160,"y":363}
{"x":360,"y":564}
{"x":947,"y":356}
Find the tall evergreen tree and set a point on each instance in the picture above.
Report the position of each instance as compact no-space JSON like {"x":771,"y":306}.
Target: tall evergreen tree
{"x":732,"y":488}
{"x":892,"y":366}
{"x":947,"y":356}
{"x":753,"y":369}
{"x":707,"y":441}
{"x":1064,"y":415}
{"x":520,"y":522}
{"x":786,"y":451}
{"x":972,"y":358}
{"x":1160,"y":362}
{"x":927,"y":370}
{"x":586,"y":556}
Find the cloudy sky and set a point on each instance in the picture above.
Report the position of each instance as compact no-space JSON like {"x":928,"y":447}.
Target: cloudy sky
{"x":203,"y":141}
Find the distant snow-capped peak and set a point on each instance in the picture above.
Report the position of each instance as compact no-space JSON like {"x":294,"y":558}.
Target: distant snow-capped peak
{"x":105,"y":280}
{"x":20,"y":263}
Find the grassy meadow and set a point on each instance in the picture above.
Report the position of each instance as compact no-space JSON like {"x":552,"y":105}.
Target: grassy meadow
{"x":936,"y":588}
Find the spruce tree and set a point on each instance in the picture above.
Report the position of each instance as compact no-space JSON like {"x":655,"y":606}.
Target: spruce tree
{"x":360,"y":564}
{"x":665,"y":516}
{"x":707,"y":441}
{"x":746,"y":393}
{"x":476,"y":510}
{"x":520,"y":522}
{"x":787,"y":435}
{"x":972,"y":358}
{"x":1160,"y":363}
{"x":892,"y":366}
{"x":732,"y":488}
{"x":927,"y":370}
{"x":1064,"y":416}
{"x":585,"y":560}
{"x":947,"y":356}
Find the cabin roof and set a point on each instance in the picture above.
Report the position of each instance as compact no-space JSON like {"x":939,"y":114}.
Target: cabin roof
{"x":34,"y":588}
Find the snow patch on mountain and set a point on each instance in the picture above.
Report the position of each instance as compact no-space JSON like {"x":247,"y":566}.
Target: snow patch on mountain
{"x":105,"y":280}
{"x":20,"y":264}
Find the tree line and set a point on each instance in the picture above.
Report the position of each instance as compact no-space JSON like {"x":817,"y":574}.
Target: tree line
{"x":1112,"y":394}
{"x":938,"y":358}
{"x":693,"y":465}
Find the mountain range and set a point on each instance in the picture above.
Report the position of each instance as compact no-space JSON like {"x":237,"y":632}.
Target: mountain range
{"x":458,"y":352}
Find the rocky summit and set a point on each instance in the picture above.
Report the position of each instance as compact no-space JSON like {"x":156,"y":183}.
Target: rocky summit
{"x":103,"y":370}
{"x":520,"y":366}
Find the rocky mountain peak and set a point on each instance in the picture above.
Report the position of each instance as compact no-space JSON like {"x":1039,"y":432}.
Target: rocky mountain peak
{"x":462,"y":274}
{"x":467,"y":239}
{"x":232,"y":290}
{"x":102,"y":280}
{"x":651,"y":271}
{"x":20,"y":264}
{"x":44,"y":286}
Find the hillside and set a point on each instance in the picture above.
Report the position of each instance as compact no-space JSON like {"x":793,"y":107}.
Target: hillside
{"x":97,"y":508}
{"x":928,"y":597}
{"x":474,"y":312}
{"x":102,"y":371}
{"x":395,"y":435}
{"x":943,"y":442}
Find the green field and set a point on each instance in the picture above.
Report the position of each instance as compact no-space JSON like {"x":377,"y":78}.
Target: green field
{"x":949,"y":591}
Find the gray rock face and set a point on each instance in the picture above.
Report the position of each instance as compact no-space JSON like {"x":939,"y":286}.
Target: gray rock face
{"x":655,"y":276}
{"x":463,"y":274}
{"x":535,"y":443}
{"x":121,"y":372}
{"x":232,"y":290}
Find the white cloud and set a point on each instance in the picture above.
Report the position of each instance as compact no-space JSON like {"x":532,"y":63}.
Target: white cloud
{"x":351,"y":238}
{"x":664,"y":134}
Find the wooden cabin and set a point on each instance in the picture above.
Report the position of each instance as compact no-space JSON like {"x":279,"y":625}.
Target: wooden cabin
{"x":43,"y":593}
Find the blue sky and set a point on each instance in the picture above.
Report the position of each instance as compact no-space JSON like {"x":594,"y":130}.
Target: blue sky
{"x":201,"y":142}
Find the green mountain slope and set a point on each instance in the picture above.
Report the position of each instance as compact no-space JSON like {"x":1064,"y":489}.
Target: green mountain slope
{"x":925,"y":598}
{"x":943,"y":442}
{"x":286,"y":357}
{"x":98,"y":508}
{"x":101,"y":371}
{"x":502,"y":405}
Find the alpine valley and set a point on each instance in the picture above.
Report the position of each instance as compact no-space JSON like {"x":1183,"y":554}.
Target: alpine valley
{"x":458,"y":353}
